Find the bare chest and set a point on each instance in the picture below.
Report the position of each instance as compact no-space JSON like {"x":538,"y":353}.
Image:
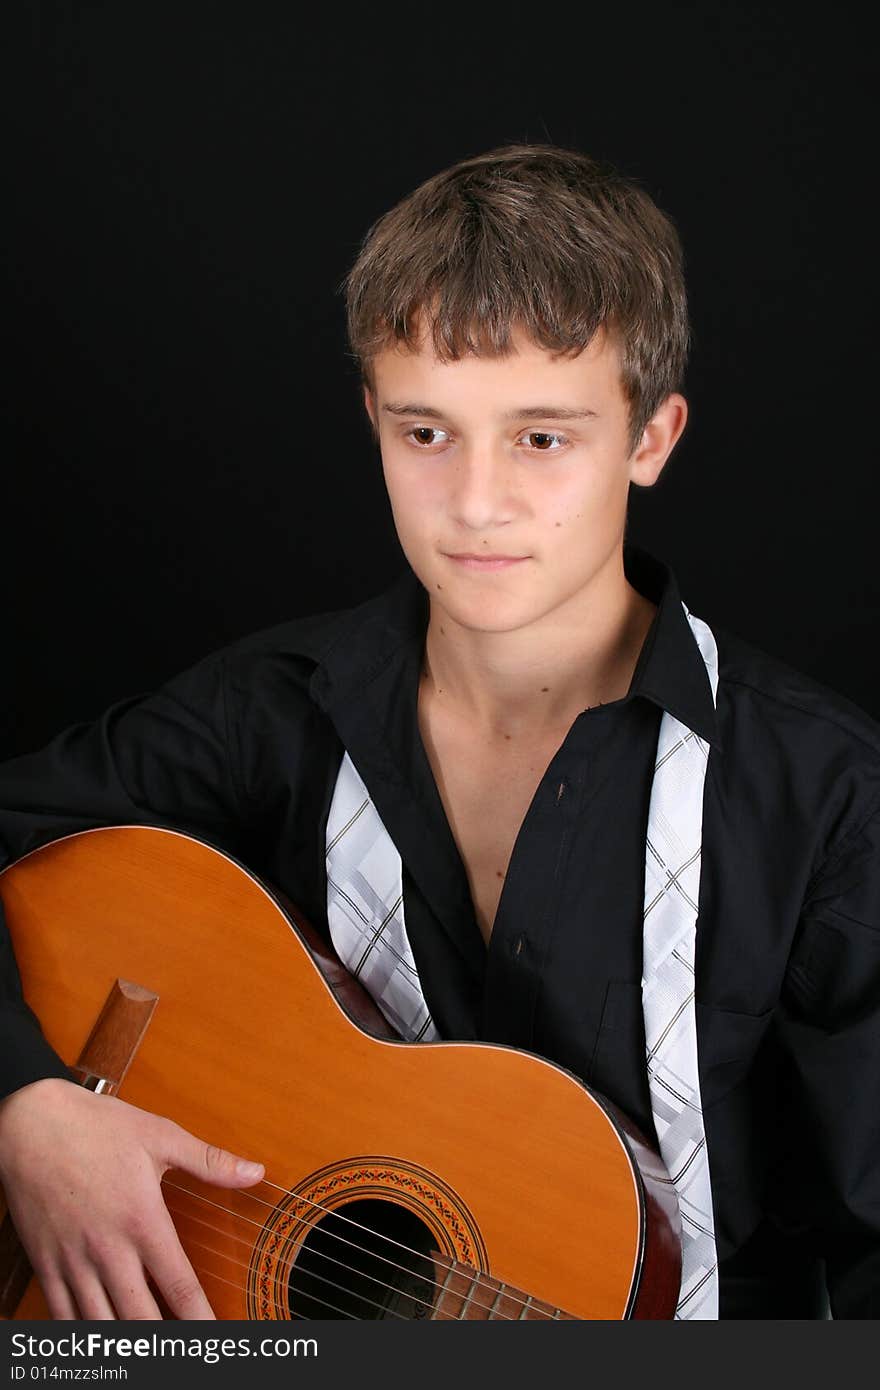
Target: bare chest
{"x":486,"y":789}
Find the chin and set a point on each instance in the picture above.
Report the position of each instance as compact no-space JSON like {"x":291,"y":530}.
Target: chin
{"x":484,"y":614}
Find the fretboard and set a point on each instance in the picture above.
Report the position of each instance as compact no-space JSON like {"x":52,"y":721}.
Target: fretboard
{"x":465,"y":1294}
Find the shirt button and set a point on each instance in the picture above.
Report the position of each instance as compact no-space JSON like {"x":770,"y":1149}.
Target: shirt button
{"x":517,"y":945}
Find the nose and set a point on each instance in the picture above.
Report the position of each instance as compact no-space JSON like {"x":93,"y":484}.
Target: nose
{"x":481,"y":489}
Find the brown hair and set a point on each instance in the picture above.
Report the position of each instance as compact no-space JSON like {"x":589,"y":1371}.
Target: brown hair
{"x":530,"y":236}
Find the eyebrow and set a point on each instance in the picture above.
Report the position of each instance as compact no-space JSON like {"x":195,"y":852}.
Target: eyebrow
{"x":526,"y":412}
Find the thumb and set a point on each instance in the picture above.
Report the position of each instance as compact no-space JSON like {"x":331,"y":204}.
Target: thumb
{"x":211,"y":1164}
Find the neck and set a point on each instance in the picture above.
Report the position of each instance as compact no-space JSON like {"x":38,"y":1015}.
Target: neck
{"x":540,"y":677}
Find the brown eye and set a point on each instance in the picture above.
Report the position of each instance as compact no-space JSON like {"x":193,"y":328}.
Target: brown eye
{"x":544,"y":441}
{"x":423,"y":434}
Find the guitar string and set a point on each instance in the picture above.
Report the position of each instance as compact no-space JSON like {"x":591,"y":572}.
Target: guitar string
{"x":476,"y":1279}
{"x":239,"y":1288}
{"x":439,"y":1316}
{"x":401,"y":1317}
{"x":302,"y":1317}
{"x":188,"y":1216}
{"x":352,"y":1269}
{"x":242,"y":1288}
{"x":470,"y":1273}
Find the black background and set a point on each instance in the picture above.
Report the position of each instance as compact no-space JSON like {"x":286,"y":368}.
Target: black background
{"x":186,"y":457}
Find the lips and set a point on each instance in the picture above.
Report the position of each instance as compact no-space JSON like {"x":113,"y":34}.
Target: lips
{"x":486,"y":562}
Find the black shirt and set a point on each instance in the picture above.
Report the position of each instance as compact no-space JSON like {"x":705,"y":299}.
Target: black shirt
{"x":244,"y":748}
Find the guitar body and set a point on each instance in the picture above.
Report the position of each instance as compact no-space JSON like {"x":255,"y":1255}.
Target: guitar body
{"x":439,"y":1180}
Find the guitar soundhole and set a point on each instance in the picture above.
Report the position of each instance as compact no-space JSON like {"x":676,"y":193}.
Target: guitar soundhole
{"x":368,"y":1259}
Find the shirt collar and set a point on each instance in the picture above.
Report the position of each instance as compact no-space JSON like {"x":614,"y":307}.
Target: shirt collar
{"x":670,"y":670}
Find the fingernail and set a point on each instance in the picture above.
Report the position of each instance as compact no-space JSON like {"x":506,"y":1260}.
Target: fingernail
{"x":245,"y":1169}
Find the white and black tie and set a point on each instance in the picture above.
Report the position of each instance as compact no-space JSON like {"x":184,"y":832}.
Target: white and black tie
{"x":672,"y":893}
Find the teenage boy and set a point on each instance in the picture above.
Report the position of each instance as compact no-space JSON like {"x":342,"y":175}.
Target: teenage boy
{"x":624,"y":839}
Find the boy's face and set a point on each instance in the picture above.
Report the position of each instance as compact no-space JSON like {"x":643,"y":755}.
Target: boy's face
{"x":508,"y":476}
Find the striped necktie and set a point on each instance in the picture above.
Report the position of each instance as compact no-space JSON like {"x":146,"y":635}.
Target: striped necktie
{"x":366,"y":919}
{"x":672,"y":892}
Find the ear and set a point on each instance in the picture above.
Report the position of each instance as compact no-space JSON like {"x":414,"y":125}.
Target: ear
{"x":660,"y":436}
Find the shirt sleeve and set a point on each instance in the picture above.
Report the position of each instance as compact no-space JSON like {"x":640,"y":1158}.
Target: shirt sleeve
{"x":830,"y":1034}
{"x":161,"y":759}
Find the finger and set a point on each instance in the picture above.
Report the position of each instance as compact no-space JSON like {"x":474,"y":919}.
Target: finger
{"x":59,"y":1299}
{"x":176,"y":1279}
{"x":211,"y":1164}
{"x":91,"y":1297}
{"x":128,"y":1289}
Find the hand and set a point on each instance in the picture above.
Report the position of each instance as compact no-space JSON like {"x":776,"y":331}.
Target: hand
{"x":82,"y":1176}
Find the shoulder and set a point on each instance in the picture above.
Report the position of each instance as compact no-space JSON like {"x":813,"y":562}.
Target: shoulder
{"x":750,"y":677}
{"x":347,"y":640}
{"x":304,"y":640}
{"x":800,"y":752}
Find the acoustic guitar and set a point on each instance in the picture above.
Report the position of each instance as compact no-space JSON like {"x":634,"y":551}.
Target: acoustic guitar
{"x":403,"y":1180}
